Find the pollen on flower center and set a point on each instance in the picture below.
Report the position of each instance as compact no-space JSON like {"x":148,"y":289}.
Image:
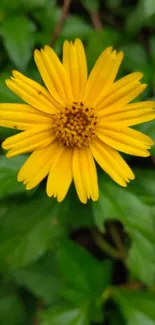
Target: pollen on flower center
{"x":75,"y":125}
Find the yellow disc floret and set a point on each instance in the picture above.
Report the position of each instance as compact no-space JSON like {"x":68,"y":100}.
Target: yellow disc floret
{"x":75,"y":125}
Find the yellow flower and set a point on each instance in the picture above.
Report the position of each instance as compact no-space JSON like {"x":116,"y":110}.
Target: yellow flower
{"x":76,"y":120}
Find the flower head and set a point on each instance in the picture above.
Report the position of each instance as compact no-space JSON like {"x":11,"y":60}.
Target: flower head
{"x":75,"y":121}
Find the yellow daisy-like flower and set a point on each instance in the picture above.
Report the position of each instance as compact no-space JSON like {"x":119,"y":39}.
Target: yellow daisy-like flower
{"x":79,"y":119}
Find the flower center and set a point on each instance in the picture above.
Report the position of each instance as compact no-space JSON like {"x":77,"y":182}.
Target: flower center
{"x":75,"y":125}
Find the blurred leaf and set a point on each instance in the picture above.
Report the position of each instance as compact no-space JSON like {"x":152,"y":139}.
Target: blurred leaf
{"x":106,"y":37}
{"x":6,"y":5}
{"x":114,"y":317}
{"x":18,"y":39}
{"x":137,"y":307}
{"x":47,"y":17}
{"x":149,"y":7}
{"x":84,"y":278}
{"x":152,"y":48}
{"x":91,"y":5}
{"x":135,"y":20}
{"x":8,"y":176}
{"x":141,"y":266}
{"x":33,"y":4}
{"x":75,"y":27}
{"x":135,"y":59}
{"x":27,"y":227}
{"x":135,"y":208}
{"x":6,"y":95}
{"x":149,"y":129}
{"x":113,"y":4}
{"x":76,"y":213}
{"x":140,"y":15}
{"x":11,"y":310}
{"x":66,"y":315}
{"x":41,"y":278}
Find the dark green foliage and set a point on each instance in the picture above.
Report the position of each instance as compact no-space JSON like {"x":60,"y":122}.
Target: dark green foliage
{"x":69,"y":263}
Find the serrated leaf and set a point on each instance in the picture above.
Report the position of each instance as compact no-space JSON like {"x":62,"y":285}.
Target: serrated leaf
{"x":18,"y":38}
{"x":136,"y":307}
{"x":28,"y":226}
{"x":134,"y":207}
{"x":8,"y":176}
{"x":84,"y":278}
{"x":65,"y":315}
{"x":41,"y":278}
{"x":141,"y":267}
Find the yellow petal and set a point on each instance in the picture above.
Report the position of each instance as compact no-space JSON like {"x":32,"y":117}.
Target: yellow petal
{"x":60,"y":176}
{"x":121,"y":92}
{"x":53,"y":74}
{"x":37,"y":166}
{"x":22,"y":117}
{"x":97,"y":69}
{"x":74,"y":61}
{"x":32,"y":93}
{"x":131,"y":117}
{"x":111,"y":162}
{"x":124,"y":139}
{"x":102,"y":75}
{"x":89,"y":173}
{"x":57,"y":74}
{"x":77,"y":177}
{"x":27,"y":141}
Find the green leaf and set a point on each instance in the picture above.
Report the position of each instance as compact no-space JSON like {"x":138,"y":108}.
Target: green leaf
{"x":84,"y":278}
{"x":76,"y":213}
{"x":8,"y":176}
{"x":47,"y":17}
{"x":137,"y":307}
{"x":65,"y":315}
{"x":134,"y":207}
{"x":18,"y":38}
{"x":149,"y":129}
{"x":91,"y":5}
{"x":11,"y":310}
{"x":75,"y":27}
{"x":33,"y":4}
{"x":113,"y":4}
{"x":152,"y":49}
{"x":135,"y":59}
{"x":83,"y":281}
{"x":140,"y":15}
{"x":149,"y":7}
{"x":141,"y":266}
{"x":28,"y":226}
{"x":6,"y":95}
{"x":106,"y":37}
{"x":41,"y":278}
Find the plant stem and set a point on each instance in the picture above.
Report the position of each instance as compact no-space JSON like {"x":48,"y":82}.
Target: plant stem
{"x":117,"y":239}
{"x":59,"y":26}
{"x":106,"y":247}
